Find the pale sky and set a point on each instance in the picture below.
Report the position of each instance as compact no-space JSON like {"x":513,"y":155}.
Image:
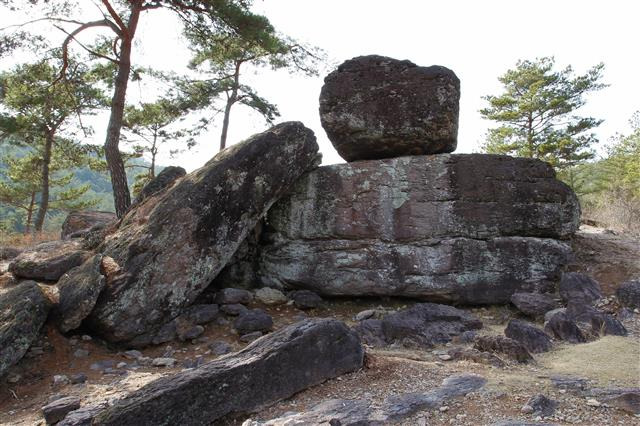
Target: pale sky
{"x":478,"y":40}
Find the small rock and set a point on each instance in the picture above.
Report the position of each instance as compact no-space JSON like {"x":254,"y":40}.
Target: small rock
{"x":57,"y":410}
{"x":144,"y":360}
{"x":526,"y":409}
{"x":132,"y":354}
{"x":533,"y":304}
{"x":229,"y":296}
{"x":78,"y":378}
{"x":193,"y":363}
{"x":363,"y":315}
{"x":233,"y":309}
{"x":576,"y":287}
{"x":121,"y":365}
{"x":445,"y":357}
{"x":81,"y":353}
{"x":561,"y":327}
{"x":163,"y":362}
{"x":220,"y":347}
{"x":60,"y":380}
{"x":542,"y":406}
{"x":305,"y":299}
{"x":250,"y":337}
{"x":534,"y":339}
{"x":86,"y":338}
{"x":253,"y":320}
{"x":14,"y":378}
{"x":503,"y":345}
{"x":444,"y":409}
{"x":103,"y":364}
{"x":465,"y":337}
{"x":190,"y":333}
{"x":629,"y":294}
{"x":628,"y":401}
{"x":201,"y":313}
{"x":270,"y":296}
{"x":593,"y":402}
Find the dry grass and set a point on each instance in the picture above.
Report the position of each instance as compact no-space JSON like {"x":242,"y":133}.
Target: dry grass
{"x":610,"y":357}
{"x":27,"y":240}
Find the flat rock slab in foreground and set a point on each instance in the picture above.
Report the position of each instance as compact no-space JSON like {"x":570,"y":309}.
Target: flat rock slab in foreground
{"x":176,"y":241}
{"x":48,"y":261}
{"x":268,"y":370}
{"x":467,"y":228}
{"x":23,"y":311}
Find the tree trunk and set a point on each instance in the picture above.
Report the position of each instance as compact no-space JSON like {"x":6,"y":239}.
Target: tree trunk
{"x":154,"y":151}
{"x":44,"y":191}
{"x":27,"y":228}
{"x":227,"y":109}
{"x":121,"y":195}
{"x":530,"y":137}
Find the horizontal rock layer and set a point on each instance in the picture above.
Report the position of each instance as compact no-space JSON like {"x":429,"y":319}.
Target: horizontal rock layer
{"x":467,"y":228}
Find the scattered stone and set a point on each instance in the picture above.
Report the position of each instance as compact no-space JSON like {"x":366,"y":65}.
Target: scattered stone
{"x":8,"y":253}
{"x":270,"y":296}
{"x":234,"y":309}
{"x":233,"y":296}
{"x":426,"y":324}
{"x":551,"y":313}
{"x":629,"y":294}
{"x":122,"y":365}
{"x":81,"y":353}
{"x":220,"y":347}
{"x":593,"y":402}
{"x":577,"y":287}
{"x":57,"y":410}
{"x":577,"y":384}
{"x":250,"y":337}
{"x":376,"y":107}
{"x":78,"y":378}
{"x":14,"y":378}
{"x":600,"y":323}
{"x":103,"y":364}
{"x":503,"y":345}
{"x":474,"y":355}
{"x":163,"y":362}
{"x":190,"y":332}
{"x":48,"y":261}
{"x":23,"y":311}
{"x":533,"y":304}
{"x":193,"y":363}
{"x":60,"y":380}
{"x":79,"y":223}
{"x":305,"y":299}
{"x":86,"y":338}
{"x":201,"y":313}
{"x":481,"y":230}
{"x":132,"y":354}
{"x":542,"y":406}
{"x":78,"y":292}
{"x":561,"y":327}
{"x":253,"y":320}
{"x":363,"y":315}
{"x":628,"y":401}
{"x":534,"y":339}
{"x":242,"y":382}
{"x":172,"y":245}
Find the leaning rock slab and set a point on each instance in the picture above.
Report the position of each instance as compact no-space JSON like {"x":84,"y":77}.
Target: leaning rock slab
{"x":23,"y":311}
{"x":270,"y":369}
{"x":175,"y":242}
{"x":377,"y":107}
{"x":48,"y":261}
{"x":465,"y":228}
{"x":534,"y":339}
{"x":78,"y":291}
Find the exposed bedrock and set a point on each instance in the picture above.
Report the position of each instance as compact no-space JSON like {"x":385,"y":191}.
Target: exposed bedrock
{"x":171,"y":245}
{"x":466,"y":228}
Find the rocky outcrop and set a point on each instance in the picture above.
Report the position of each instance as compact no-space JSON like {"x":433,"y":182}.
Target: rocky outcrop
{"x":48,"y":261}
{"x":376,"y":107}
{"x":165,"y":178}
{"x":579,"y":288}
{"x":270,"y":369}
{"x":533,"y":304}
{"x":23,"y":311}
{"x":629,"y":294}
{"x":78,"y":291}
{"x":465,"y":228}
{"x":534,"y":339}
{"x":175,"y":242}
{"x":77,"y":224}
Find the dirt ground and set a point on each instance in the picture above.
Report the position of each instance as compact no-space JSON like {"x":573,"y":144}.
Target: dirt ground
{"x":608,"y":362}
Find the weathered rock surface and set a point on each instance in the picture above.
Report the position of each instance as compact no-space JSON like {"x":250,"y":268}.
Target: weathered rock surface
{"x":466,"y":228}
{"x":533,"y":304}
{"x":272,"y":368}
{"x":596,"y":322}
{"x":252,"y":321}
{"x":23,"y":311}
{"x":629,"y":294}
{"x":7,"y":252}
{"x":305,"y":299}
{"x":176,"y":241}
{"x":48,"y":261}
{"x":165,"y":178}
{"x":628,"y":401}
{"x":270,"y":296}
{"x":503,"y":345}
{"x":534,"y":339}
{"x":232,"y":296}
{"x":577,"y":287}
{"x":376,"y":107}
{"x":422,"y":325}
{"x":541,"y":405}
{"x":78,"y":292}
{"x":77,"y":224}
